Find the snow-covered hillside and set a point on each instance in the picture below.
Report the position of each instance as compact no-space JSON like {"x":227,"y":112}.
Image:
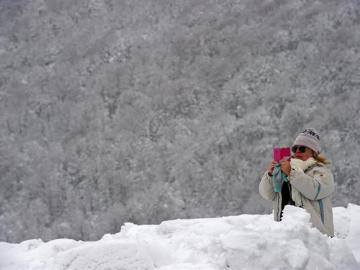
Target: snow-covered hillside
{"x":235,"y":242}
{"x":150,"y":110}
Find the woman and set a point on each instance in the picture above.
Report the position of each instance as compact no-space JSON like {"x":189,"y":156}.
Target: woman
{"x":310,"y":184}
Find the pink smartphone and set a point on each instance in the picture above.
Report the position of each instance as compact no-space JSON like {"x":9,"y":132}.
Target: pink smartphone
{"x":281,"y":152}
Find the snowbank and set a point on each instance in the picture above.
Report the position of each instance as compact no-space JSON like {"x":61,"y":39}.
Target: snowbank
{"x":237,"y":242}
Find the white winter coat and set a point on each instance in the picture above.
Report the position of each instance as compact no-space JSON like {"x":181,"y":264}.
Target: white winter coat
{"x":316,"y":184}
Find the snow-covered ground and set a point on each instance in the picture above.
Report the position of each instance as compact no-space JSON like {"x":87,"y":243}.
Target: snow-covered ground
{"x":236,"y":242}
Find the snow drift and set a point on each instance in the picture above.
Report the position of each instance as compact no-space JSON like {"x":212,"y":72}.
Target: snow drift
{"x":235,"y":242}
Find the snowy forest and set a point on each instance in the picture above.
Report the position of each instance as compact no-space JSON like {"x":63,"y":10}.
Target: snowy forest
{"x":142,"y":111}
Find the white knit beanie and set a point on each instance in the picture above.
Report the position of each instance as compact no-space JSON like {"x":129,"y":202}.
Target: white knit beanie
{"x":310,"y":138}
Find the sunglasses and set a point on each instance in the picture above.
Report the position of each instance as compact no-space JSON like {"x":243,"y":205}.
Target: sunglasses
{"x":301,"y":148}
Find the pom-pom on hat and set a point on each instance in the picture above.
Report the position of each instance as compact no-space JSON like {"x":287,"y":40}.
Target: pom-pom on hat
{"x":310,"y":138}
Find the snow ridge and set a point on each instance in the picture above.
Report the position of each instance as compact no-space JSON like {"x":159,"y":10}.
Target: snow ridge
{"x":233,"y":242}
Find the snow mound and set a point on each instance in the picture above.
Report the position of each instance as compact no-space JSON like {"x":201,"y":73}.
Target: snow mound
{"x":236,"y":242}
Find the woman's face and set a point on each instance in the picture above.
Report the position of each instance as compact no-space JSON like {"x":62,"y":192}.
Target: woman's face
{"x":302,"y":152}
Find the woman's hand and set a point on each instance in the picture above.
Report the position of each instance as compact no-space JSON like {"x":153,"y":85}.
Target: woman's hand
{"x":271,"y":167}
{"x":285,"y":166}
